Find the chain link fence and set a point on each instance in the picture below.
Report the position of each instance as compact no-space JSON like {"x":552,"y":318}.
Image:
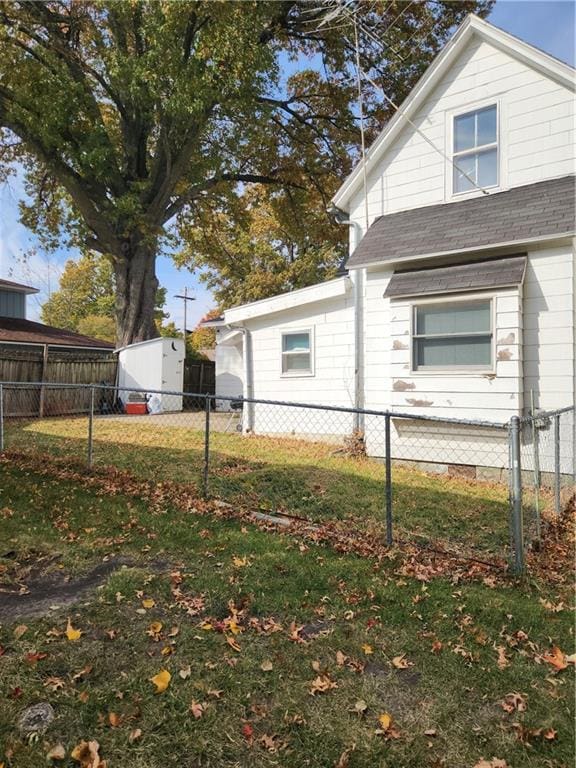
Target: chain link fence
{"x":468,"y":488}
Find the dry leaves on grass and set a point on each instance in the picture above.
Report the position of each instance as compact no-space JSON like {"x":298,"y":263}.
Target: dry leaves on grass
{"x":322,"y":684}
{"x":344,"y":759}
{"x":401,"y":662}
{"x":387,"y":727}
{"x":198,"y":708}
{"x":161,"y":680}
{"x":71,"y":633}
{"x":56,"y":752}
{"x":502,"y":661}
{"x":496,"y":762}
{"x":557,"y":658}
{"x":87,"y":753}
{"x":513,"y":702}
{"x":528,"y":735}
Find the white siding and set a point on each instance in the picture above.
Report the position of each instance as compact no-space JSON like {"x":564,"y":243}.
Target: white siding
{"x":536,"y":133}
{"x":332,"y":325}
{"x":549,"y":340}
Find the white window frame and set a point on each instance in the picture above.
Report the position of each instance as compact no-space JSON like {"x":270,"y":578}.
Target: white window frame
{"x":466,"y":109}
{"x":297,"y":374}
{"x":454,"y":369}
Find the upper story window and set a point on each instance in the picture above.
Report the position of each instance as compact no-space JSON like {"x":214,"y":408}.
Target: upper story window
{"x":475,"y":150}
{"x":297,"y":353}
{"x":452,"y":335}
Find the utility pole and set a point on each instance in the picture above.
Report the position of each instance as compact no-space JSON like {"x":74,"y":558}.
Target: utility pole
{"x":186,"y":299}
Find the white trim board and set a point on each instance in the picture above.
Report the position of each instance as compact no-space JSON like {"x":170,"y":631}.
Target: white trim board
{"x":318,"y":292}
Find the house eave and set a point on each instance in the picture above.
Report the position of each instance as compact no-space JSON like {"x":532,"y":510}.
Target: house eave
{"x":546,"y":241}
{"x":309,"y":295}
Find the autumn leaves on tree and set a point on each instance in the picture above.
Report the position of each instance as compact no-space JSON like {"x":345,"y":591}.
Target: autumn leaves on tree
{"x":142,"y":126}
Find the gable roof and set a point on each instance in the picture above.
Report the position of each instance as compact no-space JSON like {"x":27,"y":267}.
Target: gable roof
{"x":20,"y":331}
{"x":471,"y":27}
{"x":541,"y":211}
{"x":473,"y":276}
{"x":8,"y":285}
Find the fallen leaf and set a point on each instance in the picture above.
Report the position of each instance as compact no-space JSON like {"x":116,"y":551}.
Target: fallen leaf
{"x":114,"y":719}
{"x":233,"y":644}
{"x":154,"y":629}
{"x":502,"y":661}
{"x":430,"y":732}
{"x":514,"y":701}
{"x":87,"y":754}
{"x":148,"y":603}
{"x":266,"y":666}
{"x":436,"y":646}
{"x":359,"y":707}
{"x":401,"y":662}
{"x":239,"y":562}
{"x":185,"y":672}
{"x":197,"y":709}
{"x":344,"y":759}
{"x":387,"y":728}
{"x":556,"y":658}
{"x":341,"y":660}
{"x":71,"y":633}
{"x":322,"y":684}
{"x":161,"y":680}
{"x":367,"y":649}
{"x":57,"y":752}
{"x":215,"y":693}
{"x":19,"y":631}
{"x":494,"y":763}
{"x":134,"y":735}
{"x":248,"y":732}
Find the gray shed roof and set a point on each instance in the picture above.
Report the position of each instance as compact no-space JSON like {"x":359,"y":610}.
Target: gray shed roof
{"x":496,"y":273}
{"x":539,"y":210}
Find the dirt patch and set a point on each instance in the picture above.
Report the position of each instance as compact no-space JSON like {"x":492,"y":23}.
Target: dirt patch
{"x":56,"y":589}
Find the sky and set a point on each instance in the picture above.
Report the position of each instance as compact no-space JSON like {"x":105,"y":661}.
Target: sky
{"x":547,"y":24}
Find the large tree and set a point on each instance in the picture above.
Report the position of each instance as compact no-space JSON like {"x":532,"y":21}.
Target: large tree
{"x":135,"y":118}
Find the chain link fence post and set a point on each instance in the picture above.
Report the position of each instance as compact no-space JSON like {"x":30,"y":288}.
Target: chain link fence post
{"x":91,"y":429}
{"x":557,"y":504}
{"x":388,"y":442}
{"x":516,"y":527}
{"x":1,"y":417}
{"x":206,"y":467}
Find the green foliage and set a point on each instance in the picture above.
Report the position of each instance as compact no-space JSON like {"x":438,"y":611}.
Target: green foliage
{"x":140,"y":123}
{"x":85,"y":299}
{"x":98,"y":327}
{"x":86,"y":290}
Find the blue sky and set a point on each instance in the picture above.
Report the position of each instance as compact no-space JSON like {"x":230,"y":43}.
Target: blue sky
{"x":550,"y":25}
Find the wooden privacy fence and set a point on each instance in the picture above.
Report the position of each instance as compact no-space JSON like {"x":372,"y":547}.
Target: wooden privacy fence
{"x":52,"y":366}
{"x":200,"y":379}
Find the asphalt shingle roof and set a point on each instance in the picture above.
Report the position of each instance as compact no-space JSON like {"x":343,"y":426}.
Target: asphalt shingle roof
{"x":543,"y":209}
{"x":15,"y":329}
{"x":18,"y":287}
{"x":472,"y":276}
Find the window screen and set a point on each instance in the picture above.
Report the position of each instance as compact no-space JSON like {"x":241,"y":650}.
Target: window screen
{"x":457,"y":335}
{"x":296,"y":353}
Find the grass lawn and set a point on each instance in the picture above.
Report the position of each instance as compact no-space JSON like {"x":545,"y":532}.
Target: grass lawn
{"x":294,"y":476}
{"x":281,"y":652}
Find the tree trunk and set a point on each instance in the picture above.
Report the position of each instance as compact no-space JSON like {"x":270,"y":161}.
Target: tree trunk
{"x":136,"y":286}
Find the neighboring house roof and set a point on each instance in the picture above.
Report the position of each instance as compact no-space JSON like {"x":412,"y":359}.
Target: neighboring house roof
{"x":541,"y":211}
{"x":16,"y":287}
{"x":17,"y":330}
{"x":471,"y":27}
{"x":496,"y":273}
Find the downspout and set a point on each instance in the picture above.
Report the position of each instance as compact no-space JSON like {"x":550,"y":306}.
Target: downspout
{"x":248,"y":388}
{"x":341,"y":217}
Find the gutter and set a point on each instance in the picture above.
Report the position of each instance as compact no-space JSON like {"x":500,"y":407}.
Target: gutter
{"x":248,"y":394}
{"x":341,"y":217}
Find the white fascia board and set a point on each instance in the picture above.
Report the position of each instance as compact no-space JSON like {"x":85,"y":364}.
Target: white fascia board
{"x":471,"y":26}
{"x":319,"y":292}
{"x":533,"y":244}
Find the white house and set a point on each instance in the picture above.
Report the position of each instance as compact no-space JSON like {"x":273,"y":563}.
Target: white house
{"x":459,"y":299}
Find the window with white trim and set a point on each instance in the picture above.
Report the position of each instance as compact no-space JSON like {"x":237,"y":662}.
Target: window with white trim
{"x":455,"y":335}
{"x":297,"y":353}
{"x":475,"y":150}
